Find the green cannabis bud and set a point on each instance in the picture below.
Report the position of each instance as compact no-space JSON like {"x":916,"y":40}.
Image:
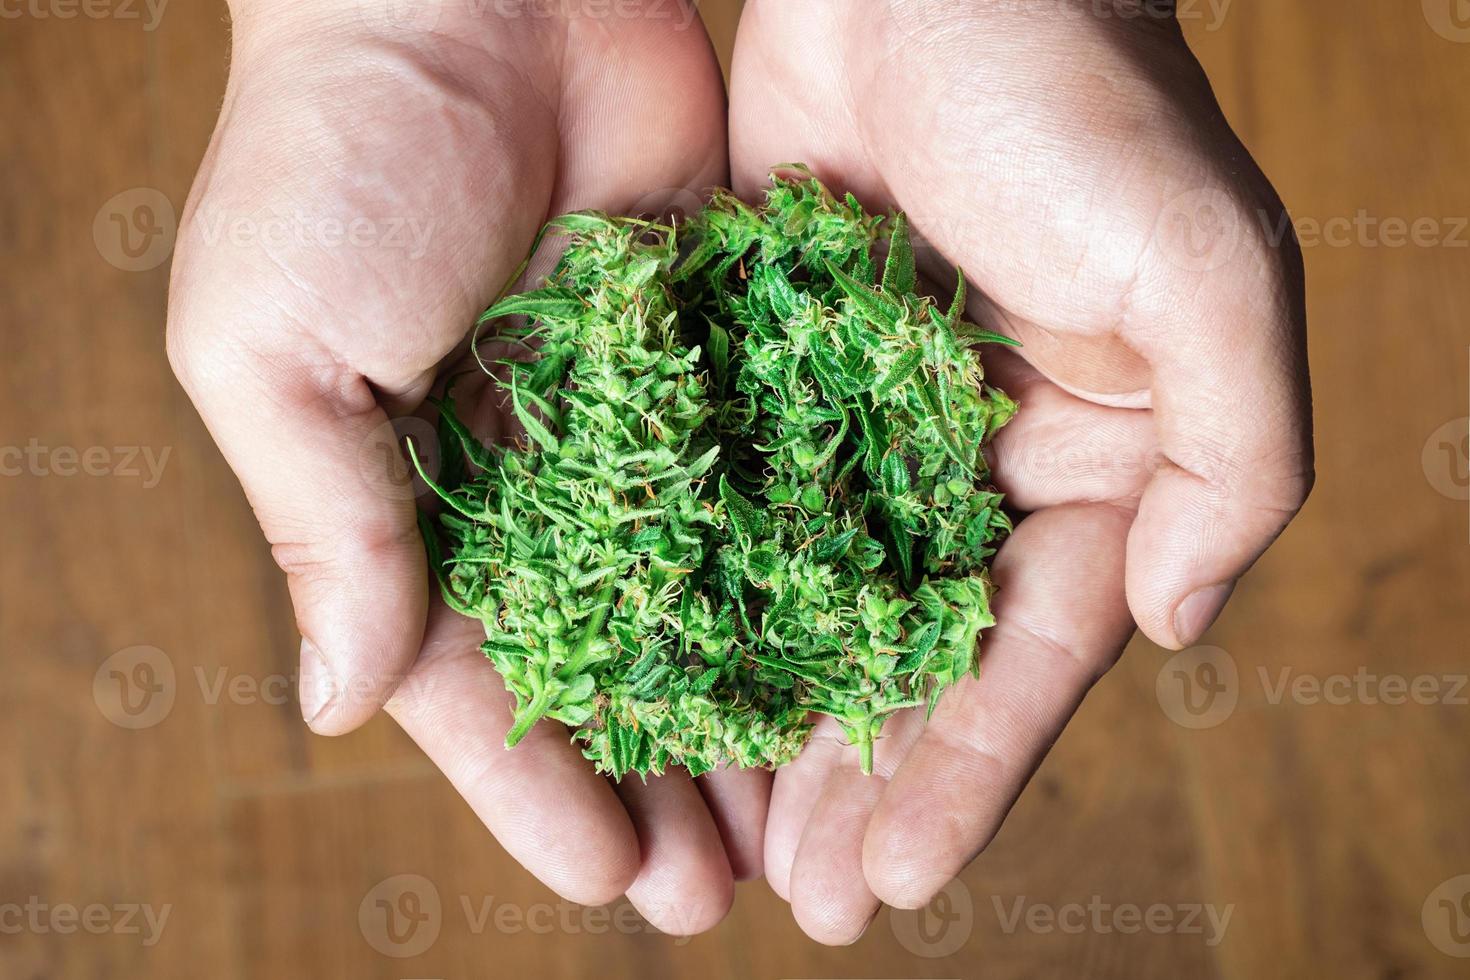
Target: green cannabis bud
{"x":751,"y":486}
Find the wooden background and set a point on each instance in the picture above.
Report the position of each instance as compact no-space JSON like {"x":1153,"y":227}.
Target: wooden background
{"x":1326,"y":828}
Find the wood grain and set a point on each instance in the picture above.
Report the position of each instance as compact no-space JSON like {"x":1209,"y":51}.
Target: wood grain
{"x":1322,"y":827}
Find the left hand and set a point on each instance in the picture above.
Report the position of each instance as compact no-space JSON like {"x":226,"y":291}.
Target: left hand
{"x":1071,"y":165}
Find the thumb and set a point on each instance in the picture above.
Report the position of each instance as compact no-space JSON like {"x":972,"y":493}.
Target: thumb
{"x":319,"y":462}
{"x":318,"y":277}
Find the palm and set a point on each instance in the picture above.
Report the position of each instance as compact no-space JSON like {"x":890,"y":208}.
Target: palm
{"x":1048,"y":197}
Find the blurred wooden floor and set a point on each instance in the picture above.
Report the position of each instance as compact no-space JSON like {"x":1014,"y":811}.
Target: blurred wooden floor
{"x":1325,"y":829}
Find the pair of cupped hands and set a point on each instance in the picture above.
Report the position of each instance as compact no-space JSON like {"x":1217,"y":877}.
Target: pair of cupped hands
{"x":1070,"y":157}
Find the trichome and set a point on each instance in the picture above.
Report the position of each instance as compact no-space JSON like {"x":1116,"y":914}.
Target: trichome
{"x":751,"y":485}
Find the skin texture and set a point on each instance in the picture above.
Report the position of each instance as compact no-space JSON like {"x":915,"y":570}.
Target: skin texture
{"x":1076,"y":166}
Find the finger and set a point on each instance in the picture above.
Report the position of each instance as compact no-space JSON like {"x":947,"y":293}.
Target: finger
{"x":794,"y":794}
{"x":324,"y":476}
{"x":1216,"y":351}
{"x":644,"y":119}
{"x":1197,"y":314}
{"x":1232,"y":408}
{"x":830,"y":898}
{"x":1061,"y":622}
{"x":1062,"y":449}
{"x":739,"y":801}
{"x":684,"y":885}
{"x":779,"y":115}
{"x":541,"y":800}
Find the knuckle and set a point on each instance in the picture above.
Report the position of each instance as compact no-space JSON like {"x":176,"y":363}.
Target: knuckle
{"x":186,"y":356}
{"x":1286,"y":492}
{"x":374,"y":535}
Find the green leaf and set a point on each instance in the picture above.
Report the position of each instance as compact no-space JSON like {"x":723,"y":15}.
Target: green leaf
{"x":748,"y":522}
{"x":550,"y":370}
{"x":477,"y":451}
{"x":901,"y":549}
{"x":895,"y":474}
{"x":651,"y":684}
{"x":817,"y":675}
{"x":944,"y":427}
{"x":869,"y":304}
{"x":435,"y":552}
{"x":835,"y":377}
{"x":834,"y":548}
{"x":550,"y":303}
{"x":923,"y":644}
{"x":534,"y":427}
{"x":875,"y":438}
{"x":452,"y":499}
{"x":705,"y":682}
{"x":453,"y":469}
{"x":784,"y":300}
{"x":703,"y":464}
{"x":900,"y":273}
{"x":620,"y":739}
{"x":553,"y":417}
{"x":902,"y":370}
{"x":957,"y":308}
{"x":707,"y":249}
{"x":641,"y":667}
{"x":584,"y":222}
{"x":719,"y":352}
{"x":969,"y":334}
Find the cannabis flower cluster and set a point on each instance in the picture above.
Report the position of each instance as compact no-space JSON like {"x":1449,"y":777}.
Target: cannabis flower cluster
{"x":751,"y":486}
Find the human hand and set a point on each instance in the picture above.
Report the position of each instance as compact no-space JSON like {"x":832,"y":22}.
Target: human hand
{"x":370,"y":185}
{"x":1079,"y":170}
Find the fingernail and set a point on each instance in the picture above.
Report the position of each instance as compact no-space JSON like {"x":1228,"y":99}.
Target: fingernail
{"x":314,"y":688}
{"x":1199,"y":610}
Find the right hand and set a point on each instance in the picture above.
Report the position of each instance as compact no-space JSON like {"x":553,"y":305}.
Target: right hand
{"x":1080,"y":171}
{"x":409,"y":163}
